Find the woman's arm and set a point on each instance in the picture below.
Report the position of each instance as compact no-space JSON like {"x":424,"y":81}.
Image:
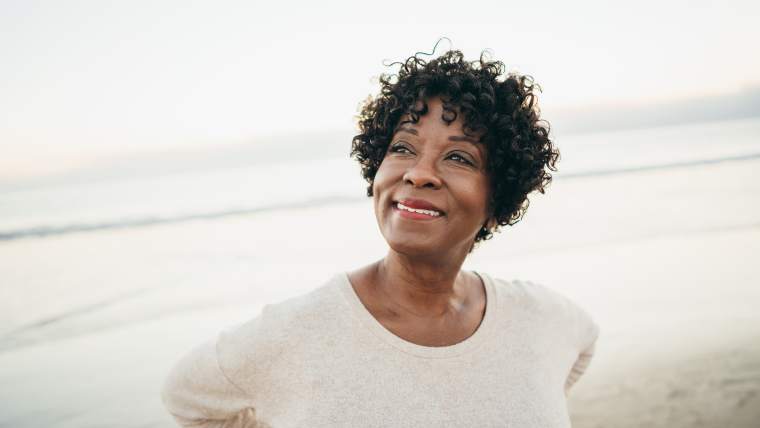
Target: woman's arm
{"x":198,"y":393}
{"x":580,"y":366}
{"x":587,"y":333}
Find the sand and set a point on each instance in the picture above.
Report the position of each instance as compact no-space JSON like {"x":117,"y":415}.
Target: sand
{"x":665,"y":260}
{"x":715,"y":387}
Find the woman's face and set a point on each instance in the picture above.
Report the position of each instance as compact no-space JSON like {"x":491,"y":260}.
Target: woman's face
{"x":431,"y":166}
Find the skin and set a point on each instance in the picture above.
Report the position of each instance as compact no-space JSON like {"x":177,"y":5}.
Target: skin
{"x":418,"y":290}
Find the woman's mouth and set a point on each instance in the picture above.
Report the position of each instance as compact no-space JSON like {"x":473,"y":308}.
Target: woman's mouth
{"x":416,"y":213}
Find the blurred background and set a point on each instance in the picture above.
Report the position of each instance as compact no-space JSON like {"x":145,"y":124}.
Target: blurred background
{"x":168,"y":167}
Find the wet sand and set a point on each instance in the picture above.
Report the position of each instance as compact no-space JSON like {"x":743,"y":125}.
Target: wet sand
{"x":717,"y":387}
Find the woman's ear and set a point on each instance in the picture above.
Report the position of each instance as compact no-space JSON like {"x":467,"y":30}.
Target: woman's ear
{"x":490,"y":223}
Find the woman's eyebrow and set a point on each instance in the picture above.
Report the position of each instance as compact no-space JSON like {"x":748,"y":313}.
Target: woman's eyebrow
{"x":478,"y":145}
{"x":408,"y":129}
{"x":457,"y":138}
{"x":463,"y":138}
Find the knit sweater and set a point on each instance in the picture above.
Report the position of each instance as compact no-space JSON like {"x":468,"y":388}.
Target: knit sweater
{"x":323,"y":360}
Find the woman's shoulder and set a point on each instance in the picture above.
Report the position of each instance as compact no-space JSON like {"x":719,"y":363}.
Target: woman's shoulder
{"x":546,"y":304}
{"x":533,"y":294}
{"x":308,"y":309}
{"x":300,"y":311}
{"x":278,"y":327}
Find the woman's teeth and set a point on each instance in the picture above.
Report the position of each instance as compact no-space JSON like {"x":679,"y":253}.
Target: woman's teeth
{"x":415,"y":210}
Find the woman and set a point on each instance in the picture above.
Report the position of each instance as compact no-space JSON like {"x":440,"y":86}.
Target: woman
{"x":450,"y":149}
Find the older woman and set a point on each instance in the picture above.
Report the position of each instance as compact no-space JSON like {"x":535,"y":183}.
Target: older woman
{"x":450,"y":149}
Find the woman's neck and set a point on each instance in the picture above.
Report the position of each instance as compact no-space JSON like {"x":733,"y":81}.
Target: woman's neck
{"x":425,"y":288}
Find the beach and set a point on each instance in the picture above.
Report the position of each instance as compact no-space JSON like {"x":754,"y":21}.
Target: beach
{"x":665,"y":259}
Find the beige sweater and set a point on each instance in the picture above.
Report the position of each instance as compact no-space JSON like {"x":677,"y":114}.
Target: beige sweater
{"x":322,"y":360}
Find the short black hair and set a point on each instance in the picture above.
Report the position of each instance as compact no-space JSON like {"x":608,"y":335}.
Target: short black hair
{"x":501,"y":108}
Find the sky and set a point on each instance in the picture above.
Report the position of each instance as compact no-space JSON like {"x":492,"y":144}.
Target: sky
{"x":82,"y":80}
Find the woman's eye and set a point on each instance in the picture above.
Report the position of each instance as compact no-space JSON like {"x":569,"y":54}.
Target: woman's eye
{"x":460,"y":159}
{"x":400,"y":149}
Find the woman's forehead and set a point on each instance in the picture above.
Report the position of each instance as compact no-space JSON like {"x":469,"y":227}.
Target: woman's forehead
{"x":460,"y":131}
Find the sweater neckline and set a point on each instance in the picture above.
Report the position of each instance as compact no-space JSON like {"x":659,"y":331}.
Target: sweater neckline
{"x":371,"y":323}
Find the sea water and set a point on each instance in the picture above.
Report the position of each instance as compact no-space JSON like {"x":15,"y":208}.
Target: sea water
{"x":135,"y":198}
{"x":82,"y":255}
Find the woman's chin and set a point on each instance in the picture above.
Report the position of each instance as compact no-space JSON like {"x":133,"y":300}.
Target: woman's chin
{"x":414,"y":248}
{"x":429,"y":250}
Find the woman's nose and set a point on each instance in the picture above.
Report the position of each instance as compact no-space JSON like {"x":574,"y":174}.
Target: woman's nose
{"x":423,"y":174}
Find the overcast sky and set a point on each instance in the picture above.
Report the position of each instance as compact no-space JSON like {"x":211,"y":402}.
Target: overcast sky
{"x":85,"y":78}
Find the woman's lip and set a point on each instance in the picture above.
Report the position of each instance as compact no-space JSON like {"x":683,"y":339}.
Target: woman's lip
{"x":419,"y":204}
{"x":413,"y":215}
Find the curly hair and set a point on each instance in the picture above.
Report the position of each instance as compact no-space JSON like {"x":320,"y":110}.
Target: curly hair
{"x":501,"y":109}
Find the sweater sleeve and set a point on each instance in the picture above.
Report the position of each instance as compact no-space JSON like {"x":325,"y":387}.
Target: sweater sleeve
{"x":588,"y":333}
{"x":200,"y":392}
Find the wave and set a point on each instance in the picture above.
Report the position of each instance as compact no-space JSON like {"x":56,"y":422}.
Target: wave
{"x":664,"y":166}
{"x":43,"y":231}
{"x":54,"y":230}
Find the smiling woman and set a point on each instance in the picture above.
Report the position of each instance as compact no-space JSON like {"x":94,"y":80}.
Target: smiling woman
{"x":450,"y":149}
{"x":420,"y":160}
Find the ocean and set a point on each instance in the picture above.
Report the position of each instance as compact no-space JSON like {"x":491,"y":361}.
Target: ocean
{"x":80,"y":253}
{"x":142,"y":196}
